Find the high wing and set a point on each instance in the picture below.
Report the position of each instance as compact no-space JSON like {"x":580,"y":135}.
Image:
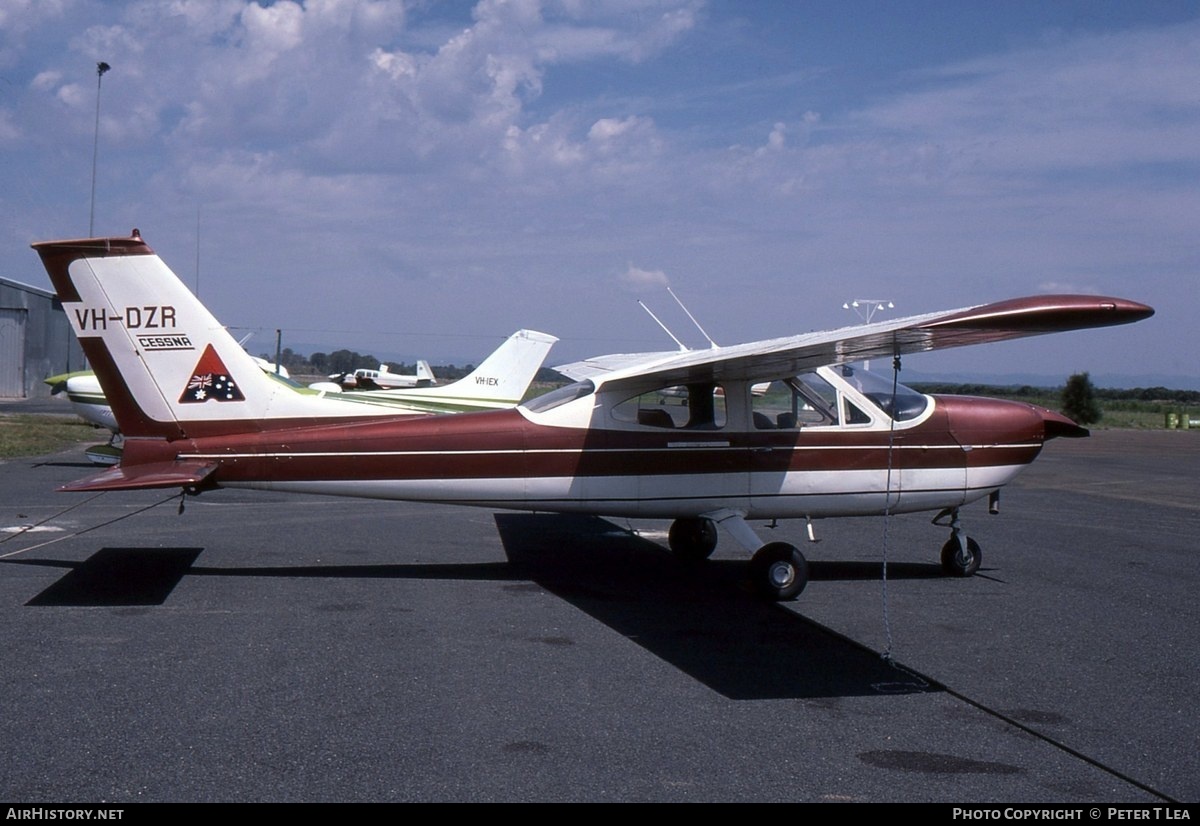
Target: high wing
{"x":775,"y":358}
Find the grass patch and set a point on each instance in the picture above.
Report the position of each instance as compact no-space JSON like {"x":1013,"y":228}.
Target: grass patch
{"x":30,"y":435}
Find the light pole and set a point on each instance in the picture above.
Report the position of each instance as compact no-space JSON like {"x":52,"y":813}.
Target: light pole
{"x":101,"y":68}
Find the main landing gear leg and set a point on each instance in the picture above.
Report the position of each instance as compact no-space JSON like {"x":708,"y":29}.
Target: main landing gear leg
{"x":779,"y":571}
{"x":961,"y":554}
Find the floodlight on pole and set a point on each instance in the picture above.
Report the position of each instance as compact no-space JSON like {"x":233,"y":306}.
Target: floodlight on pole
{"x":872,"y":305}
{"x":101,"y":68}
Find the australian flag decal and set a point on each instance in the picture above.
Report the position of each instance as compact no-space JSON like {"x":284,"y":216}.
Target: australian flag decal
{"x":210,"y":380}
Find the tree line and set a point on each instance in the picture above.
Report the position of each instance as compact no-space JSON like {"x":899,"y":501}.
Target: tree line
{"x":347,"y":361}
{"x":1014,"y":391}
{"x":1078,"y":399}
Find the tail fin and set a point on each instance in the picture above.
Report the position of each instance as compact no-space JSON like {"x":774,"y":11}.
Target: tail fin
{"x":167,"y":367}
{"x":425,"y":377}
{"x":500,"y":381}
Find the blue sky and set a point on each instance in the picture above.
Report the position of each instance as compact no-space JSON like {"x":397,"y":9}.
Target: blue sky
{"x":420,"y":179}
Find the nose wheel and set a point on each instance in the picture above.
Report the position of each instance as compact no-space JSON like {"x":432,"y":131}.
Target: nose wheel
{"x":961,"y":555}
{"x":958,"y":560}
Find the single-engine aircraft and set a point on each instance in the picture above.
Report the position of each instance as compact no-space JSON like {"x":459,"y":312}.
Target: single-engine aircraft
{"x":198,"y":415}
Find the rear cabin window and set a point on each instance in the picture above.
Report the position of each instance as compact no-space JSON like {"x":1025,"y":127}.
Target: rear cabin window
{"x":679,"y":407}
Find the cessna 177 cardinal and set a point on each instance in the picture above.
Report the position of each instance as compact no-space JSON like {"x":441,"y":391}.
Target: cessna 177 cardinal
{"x":198,"y":415}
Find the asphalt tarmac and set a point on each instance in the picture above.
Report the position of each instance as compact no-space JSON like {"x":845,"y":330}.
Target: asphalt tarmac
{"x":259,"y":647}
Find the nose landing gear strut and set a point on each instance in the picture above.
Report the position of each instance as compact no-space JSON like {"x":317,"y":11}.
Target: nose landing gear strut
{"x":961,"y":555}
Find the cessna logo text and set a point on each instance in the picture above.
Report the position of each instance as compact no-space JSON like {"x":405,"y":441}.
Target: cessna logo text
{"x":148,"y":317}
{"x":176,"y":342}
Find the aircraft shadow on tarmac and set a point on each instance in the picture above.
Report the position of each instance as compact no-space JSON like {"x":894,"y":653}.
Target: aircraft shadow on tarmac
{"x":703,"y":618}
{"x":61,"y":463}
{"x":116,"y":577}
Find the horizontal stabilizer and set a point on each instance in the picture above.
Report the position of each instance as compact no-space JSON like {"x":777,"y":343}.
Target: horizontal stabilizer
{"x":177,"y":474}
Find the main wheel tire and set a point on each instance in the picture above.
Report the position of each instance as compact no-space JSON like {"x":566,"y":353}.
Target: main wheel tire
{"x":693,"y":538}
{"x":779,"y":570}
{"x":955,"y":563}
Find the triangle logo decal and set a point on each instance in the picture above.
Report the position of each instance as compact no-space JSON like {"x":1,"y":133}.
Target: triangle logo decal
{"x":211,"y":381}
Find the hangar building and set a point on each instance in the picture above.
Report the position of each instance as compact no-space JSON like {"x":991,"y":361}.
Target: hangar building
{"x":35,"y":340}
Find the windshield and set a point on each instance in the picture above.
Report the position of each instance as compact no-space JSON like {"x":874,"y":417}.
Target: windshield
{"x":561,"y":396}
{"x":898,"y":401}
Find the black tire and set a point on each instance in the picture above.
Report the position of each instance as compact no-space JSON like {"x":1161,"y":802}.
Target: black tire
{"x":693,"y":538}
{"x":955,"y":564}
{"x":779,"y":570}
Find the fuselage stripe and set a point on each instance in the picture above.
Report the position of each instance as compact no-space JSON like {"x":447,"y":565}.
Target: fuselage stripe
{"x":564,"y":451}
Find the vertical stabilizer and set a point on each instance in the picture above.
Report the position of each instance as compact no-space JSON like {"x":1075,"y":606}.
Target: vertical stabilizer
{"x":499,"y":382}
{"x":425,"y":377}
{"x":166,"y":365}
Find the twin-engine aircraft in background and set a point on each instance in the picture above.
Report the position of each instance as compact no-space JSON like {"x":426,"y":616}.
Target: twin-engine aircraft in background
{"x":827,"y":441}
{"x":384,"y":379}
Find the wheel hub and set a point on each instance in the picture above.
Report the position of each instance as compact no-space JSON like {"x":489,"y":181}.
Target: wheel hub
{"x":781,"y":574}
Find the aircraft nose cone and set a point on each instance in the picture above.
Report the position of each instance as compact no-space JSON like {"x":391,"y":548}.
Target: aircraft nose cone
{"x":998,"y":421}
{"x":1056,"y":424}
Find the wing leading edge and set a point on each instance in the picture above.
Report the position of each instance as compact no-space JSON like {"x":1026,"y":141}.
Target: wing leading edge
{"x":1000,"y":321}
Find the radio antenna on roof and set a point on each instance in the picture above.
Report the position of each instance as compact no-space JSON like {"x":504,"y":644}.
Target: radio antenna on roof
{"x":711,"y":343}
{"x":682,"y":347}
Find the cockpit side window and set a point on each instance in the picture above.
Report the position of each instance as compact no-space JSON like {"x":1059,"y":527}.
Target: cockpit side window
{"x":698,"y":406}
{"x":851,"y":414}
{"x":810,"y":400}
{"x":806,"y":400}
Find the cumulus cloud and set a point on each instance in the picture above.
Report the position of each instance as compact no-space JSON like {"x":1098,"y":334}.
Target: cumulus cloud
{"x":43,"y":81}
{"x":640,"y":280}
{"x":8,"y":130}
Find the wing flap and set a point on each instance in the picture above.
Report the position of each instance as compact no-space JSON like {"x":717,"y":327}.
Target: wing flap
{"x":176,"y":474}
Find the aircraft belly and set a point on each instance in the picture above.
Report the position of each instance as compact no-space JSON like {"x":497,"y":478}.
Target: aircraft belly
{"x":854,"y":492}
{"x":614,"y":496}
